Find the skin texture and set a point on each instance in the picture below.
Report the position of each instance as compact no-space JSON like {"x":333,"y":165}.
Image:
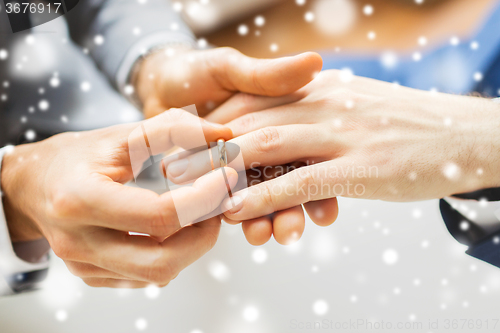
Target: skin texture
{"x":409,"y":145}
{"x":69,"y":189}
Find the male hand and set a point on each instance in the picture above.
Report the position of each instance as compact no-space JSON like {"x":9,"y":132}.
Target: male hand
{"x":69,"y":189}
{"x":176,"y":77}
{"x":367,"y":139}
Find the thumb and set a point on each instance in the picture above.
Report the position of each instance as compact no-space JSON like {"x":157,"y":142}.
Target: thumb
{"x":267,"y":77}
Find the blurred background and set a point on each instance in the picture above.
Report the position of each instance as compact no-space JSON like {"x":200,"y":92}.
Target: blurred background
{"x":379,"y":264}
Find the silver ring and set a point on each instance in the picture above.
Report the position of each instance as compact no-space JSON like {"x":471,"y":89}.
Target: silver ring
{"x":221,"y":146}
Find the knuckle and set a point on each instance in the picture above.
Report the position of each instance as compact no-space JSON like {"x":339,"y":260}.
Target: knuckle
{"x":267,"y":196}
{"x":64,"y":204}
{"x":303,"y":176}
{"x":244,"y":102}
{"x":246,"y":122}
{"x":162,"y":219}
{"x":267,"y":140}
{"x":64,"y":248}
{"x":175,"y":114}
{"x":220,"y":62}
{"x":160,"y":272}
{"x":159,"y":224}
{"x":256,"y":78}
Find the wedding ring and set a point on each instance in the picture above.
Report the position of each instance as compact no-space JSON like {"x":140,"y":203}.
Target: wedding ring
{"x":221,"y":146}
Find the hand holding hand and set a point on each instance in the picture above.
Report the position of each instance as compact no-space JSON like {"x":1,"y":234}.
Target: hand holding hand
{"x":69,"y":189}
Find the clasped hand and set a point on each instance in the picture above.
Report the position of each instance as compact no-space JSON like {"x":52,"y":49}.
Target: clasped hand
{"x":304,"y":144}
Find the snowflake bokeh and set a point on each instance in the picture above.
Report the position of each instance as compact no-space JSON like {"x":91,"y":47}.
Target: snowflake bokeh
{"x":391,"y":262}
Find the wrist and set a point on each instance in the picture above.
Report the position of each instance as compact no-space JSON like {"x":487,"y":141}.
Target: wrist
{"x":144,"y":78}
{"x":496,"y":143}
{"x":12,"y":179}
{"x":484,"y":162}
{"x":147,"y":78}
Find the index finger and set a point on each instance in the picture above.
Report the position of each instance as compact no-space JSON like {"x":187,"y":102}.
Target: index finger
{"x":311,"y":183}
{"x":268,"y":146}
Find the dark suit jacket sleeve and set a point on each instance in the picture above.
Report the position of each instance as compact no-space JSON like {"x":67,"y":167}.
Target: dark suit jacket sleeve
{"x":127,"y":28}
{"x":483,"y":244}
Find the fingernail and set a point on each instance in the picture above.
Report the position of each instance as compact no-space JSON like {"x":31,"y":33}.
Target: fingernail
{"x":232,"y":205}
{"x":232,"y":179}
{"x":177,"y":168}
